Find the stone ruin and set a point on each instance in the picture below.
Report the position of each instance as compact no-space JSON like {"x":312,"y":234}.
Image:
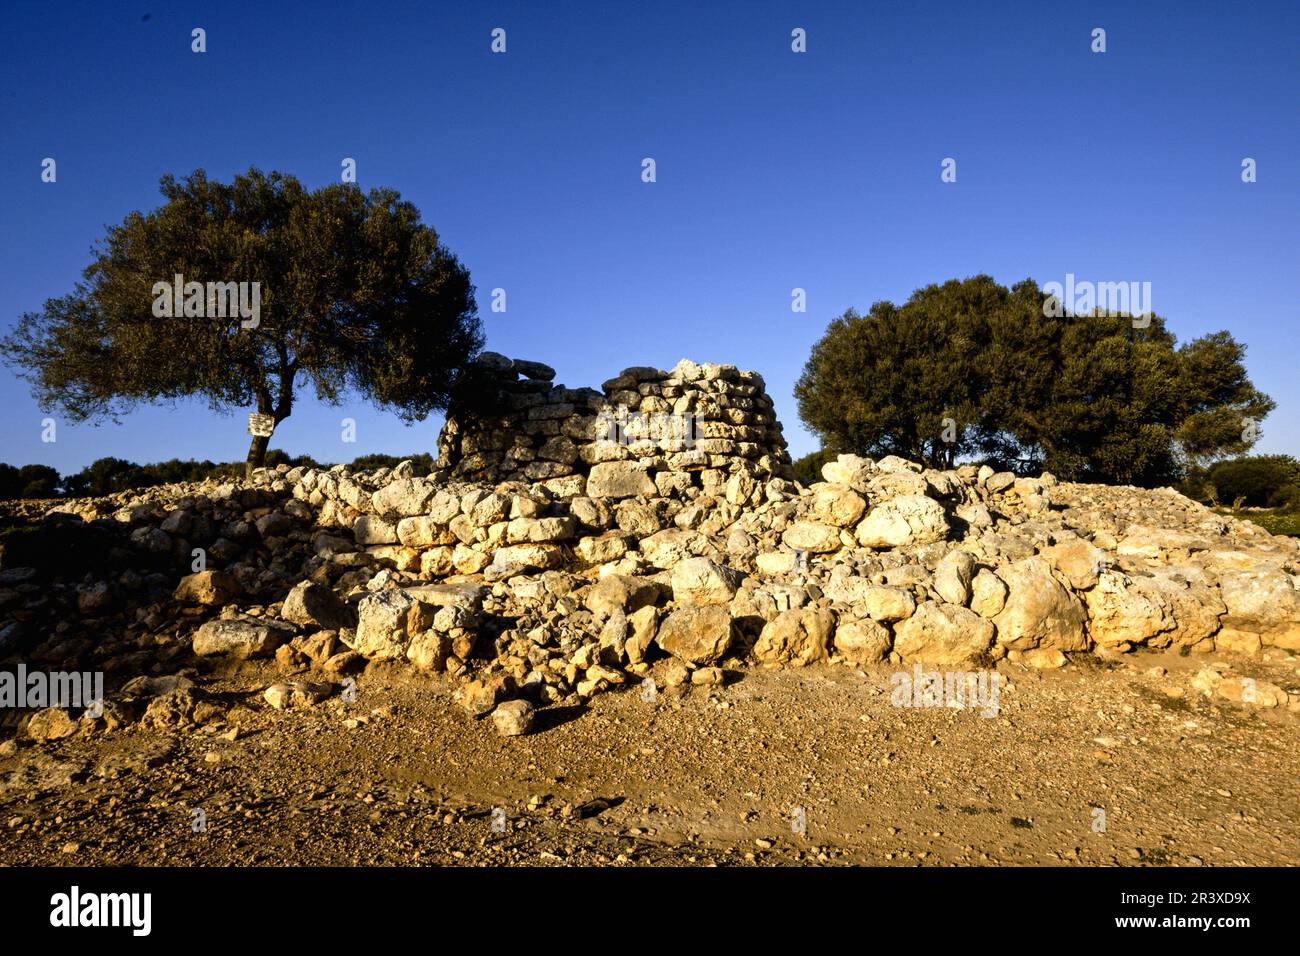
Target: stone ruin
{"x":710,"y":420}
{"x":545,"y":561}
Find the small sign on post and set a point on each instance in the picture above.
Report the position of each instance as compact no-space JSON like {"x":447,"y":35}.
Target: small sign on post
{"x":261,"y":426}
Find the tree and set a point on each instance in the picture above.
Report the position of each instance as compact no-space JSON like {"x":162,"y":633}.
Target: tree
{"x":348,"y":291}
{"x":973,"y":369}
{"x":29,"y":481}
{"x":1255,"y":480}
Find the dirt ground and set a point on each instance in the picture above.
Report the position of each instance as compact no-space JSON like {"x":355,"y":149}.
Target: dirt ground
{"x":696,"y":776}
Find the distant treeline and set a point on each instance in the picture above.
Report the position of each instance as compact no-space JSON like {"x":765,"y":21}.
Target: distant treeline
{"x":109,"y":475}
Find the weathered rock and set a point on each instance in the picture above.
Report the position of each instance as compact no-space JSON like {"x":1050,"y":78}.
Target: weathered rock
{"x":1077,"y":561}
{"x":381,"y":625}
{"x":519,"y":558}
{"x":837,"y":505}
{"x":878,"y":602}
{"x":296,"y":694}
{"x":943,"y":634}
{"x":214,"y":588}
{"x":315,"y":606}
{"x":402,"y":498}
{"x":703,"y":581}
{"x":698,"y":635}
{"x":616,"y":592}
{"x":369,"y":529}
{"x":796,"y":637}
{"x":1264,"y":601}
{"x":1123,"y":611}
{"x":52,"y":723}
{"x":239,"y":639}
{"x":619,"y":479}
{"x":1039,"y":612}
{"x":812,"y":537}
{"x":514,"y":718}
{"x":952,"y":578}
{"x":906,"y":520}
{"x":988,"y":593}
{"x":862,"y":641}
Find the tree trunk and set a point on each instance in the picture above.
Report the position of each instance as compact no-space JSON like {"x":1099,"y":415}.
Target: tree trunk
{"x":256,"y":454}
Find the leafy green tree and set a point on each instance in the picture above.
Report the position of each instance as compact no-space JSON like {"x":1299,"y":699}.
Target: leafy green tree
{"x":356,"y":295}
{"x":1256,"y":480}
{"x":422,"y":463}
{"x":971,"y":369}
{"x":29,"y":481}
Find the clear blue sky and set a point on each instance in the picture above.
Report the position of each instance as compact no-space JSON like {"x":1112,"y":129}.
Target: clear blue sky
{"x":775,"y":170}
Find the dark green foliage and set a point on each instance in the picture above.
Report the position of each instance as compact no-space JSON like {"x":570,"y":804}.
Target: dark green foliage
{"x":107,"y":476}
{"x":423,"y":462}
{"x":357,"y":296}
{"x":971,"y":369}
{"x":29,"y":481}
{"x":1256,"y":481}
{"x":808,"y":469}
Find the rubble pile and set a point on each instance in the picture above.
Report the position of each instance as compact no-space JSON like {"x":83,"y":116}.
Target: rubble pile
{"x":545,"y":561}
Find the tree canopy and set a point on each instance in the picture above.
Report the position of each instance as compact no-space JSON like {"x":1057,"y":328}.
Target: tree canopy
{"x":355,"y":295}
{"x":973,"y":370}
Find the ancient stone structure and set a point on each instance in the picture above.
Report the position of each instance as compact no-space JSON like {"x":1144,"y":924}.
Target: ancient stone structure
{"x":546,"y":560}
{"x":710,"y":421}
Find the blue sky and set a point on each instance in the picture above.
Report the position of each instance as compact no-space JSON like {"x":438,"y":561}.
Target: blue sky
{"x":775,"y":170}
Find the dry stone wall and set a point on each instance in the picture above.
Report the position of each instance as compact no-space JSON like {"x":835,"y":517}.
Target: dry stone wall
{"x":703,"y":420}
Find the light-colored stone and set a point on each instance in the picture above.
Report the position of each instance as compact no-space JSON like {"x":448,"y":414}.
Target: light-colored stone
{"x":906,"y":520}
{"x":837,"y":505}
{"x":1039,"y":611}
{"x":812,"y":537}
{"x":239,"y":639}
{"x":943,"y":634}
{"x":703,"y":581}
{"x":619,"y":479}
{"x":698,"y":635}
{"x":514,"y":718}
{"x":213,"y":588}
{"x":862,"y":641}
{"x":796,"y":637}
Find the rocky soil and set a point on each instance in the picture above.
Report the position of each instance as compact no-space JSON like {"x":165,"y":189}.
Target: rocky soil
{"x":705,"y":776}
{"x":649,"y":645}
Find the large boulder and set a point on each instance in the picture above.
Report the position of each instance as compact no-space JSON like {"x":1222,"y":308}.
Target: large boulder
{"x":907,"y":519}
{"x":619,"y":479}
{"x":315,"y":606}
{"x":240,"y":639}
{"x":213,"y":588}
{"x":943,"y":634}
{"x":797,"y":637}
{"x":1263,"y":601}
{"x":697,"y":635}
{"x":1039,"y":611}
{"x":1124,"y":611}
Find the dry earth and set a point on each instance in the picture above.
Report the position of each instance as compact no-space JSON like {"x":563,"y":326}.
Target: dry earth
{"x":699,"y":775}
